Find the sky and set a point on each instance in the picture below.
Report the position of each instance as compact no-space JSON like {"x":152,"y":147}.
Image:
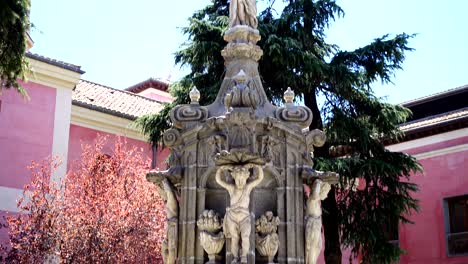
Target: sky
{"x":120,"y":43}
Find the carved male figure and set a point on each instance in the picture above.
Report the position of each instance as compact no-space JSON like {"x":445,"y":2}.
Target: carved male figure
{"x":314,"y":220}
{"x":237,"y":224}
{"x":169,"y":246}
{"x":243,"y":12}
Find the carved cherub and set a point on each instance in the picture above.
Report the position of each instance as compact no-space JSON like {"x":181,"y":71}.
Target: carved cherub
{"x":237,"y":223}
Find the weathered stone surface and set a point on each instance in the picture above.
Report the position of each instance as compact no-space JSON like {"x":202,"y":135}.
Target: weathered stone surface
{"x":242,"y":156}
{"x":212,"y":240}
{"x":243,"y":12}
{"x":267,"y":240}
{"x":313,"y":230}
{"x":237,"y":224}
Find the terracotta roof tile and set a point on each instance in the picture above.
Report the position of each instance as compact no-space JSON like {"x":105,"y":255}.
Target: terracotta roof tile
{"x":435,"y":120}
{"x":151,"y":82}
{"x":61,"y":64}
{"x":113,"y":101}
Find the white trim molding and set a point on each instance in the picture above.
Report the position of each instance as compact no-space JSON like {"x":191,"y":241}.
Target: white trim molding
{"x":62,"y":119}
{"x":9,"y":198}
{"x":440,"y":152}
{"x":51,"y":75}
{"x":63,"y":81}
{"x":421,"y":142}
{"x":99,"y":121}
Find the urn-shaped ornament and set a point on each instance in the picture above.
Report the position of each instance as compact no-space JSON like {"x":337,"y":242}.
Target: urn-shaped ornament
{"x":267,"y":240}
{"x":211,"y":239}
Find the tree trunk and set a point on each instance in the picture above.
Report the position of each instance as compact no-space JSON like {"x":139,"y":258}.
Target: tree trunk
{"x":330,"y":210}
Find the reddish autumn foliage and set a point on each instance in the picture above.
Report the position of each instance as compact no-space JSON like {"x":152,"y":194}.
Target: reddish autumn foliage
{"x":104,"y":212}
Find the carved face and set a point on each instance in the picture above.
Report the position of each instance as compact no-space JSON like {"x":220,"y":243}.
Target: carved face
{"x":240,"y":175}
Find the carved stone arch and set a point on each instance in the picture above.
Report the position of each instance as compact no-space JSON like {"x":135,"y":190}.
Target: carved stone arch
{"x":271,"y":170}
{"x":212,"y":195}
{"x":210,"y":171}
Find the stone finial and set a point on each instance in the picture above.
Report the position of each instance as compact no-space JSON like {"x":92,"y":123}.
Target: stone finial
{"x":194,"y":95}
{"x":289,"y":96}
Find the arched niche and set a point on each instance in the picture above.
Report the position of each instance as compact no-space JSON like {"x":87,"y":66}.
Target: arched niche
{"x":263,"y":198}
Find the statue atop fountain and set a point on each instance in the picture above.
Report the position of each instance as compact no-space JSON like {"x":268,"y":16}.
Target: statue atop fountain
{"x":243,"y":12}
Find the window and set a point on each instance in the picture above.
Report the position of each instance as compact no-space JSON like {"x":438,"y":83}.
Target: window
{"x":456,"y":225}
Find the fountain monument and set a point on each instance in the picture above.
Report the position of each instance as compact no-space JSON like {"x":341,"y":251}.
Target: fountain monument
{"x":234,"y":189}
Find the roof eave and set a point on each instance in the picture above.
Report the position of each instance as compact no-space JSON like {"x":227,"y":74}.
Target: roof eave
{"x":422,"y":100}
{"x":104,"y":110}
{"x":59,"y":64}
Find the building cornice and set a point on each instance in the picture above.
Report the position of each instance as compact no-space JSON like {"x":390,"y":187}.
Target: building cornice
{"x":441,"y":152}
{"x":99,"y":121}
{"x":434,"y":139}
{"x":52,"y":75}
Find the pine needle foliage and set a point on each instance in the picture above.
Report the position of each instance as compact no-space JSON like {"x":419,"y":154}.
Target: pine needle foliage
{"x":14,"y":27}
{"x":296,"y":54}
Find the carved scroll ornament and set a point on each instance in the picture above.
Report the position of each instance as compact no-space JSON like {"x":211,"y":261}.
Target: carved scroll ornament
{"x":186,"y":114}
{"x":291,"y":113}
{"x":171,"y":137}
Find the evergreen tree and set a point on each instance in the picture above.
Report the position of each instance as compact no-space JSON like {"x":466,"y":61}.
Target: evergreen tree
{"x":355,"y":120}
{"x":14,"y":26}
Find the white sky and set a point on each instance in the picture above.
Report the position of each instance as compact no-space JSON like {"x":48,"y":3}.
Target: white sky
{"x":120,"y":43}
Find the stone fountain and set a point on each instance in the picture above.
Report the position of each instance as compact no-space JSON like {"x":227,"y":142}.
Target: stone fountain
{"x":237,"y":167}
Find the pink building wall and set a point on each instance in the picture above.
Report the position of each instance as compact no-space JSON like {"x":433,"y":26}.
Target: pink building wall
{"x":445,"y":176}
{"x":158,"y":97}
{"x":26,"y":132}
{"x":80,"y":135}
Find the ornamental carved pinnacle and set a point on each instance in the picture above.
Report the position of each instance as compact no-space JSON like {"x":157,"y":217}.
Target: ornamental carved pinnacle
{"x":289,"y":96}
{"x":194,"y":95}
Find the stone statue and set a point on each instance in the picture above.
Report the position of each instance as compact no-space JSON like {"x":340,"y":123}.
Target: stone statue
{"x":267,"y":240}
{"x":169,"y":246}
{"x":211,"y":239}
{"x":237,"y":224}
{"x":243,"y":12}
{"x":313,"y":234}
